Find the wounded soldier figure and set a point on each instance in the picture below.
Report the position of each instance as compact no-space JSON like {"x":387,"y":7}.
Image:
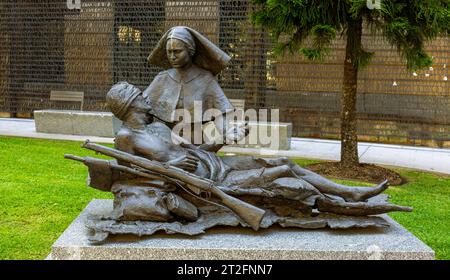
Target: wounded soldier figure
{"x":288,"y":194}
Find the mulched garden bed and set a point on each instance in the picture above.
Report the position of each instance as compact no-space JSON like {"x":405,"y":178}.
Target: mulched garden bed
{"x":364,"y":172}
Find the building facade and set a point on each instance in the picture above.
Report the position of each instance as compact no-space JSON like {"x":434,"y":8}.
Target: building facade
{"x":46,"y":46}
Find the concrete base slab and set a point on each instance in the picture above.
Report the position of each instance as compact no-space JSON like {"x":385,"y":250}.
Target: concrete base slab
{"x":275,"y":243}
{"x":102,"y":124}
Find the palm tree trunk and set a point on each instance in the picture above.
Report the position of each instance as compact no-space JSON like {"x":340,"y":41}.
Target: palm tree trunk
{"x":349,"y":138}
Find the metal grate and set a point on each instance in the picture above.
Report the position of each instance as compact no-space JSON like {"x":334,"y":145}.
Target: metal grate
{"x":44,"y":46}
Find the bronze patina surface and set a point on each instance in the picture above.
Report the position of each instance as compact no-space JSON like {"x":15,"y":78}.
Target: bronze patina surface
{"x":177,"y":187}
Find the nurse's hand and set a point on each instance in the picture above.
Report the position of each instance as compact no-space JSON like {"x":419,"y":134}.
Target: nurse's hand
{"x":237,"y":132}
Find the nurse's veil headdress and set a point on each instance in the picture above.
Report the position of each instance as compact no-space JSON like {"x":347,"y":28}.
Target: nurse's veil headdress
{"x":206,"y":55}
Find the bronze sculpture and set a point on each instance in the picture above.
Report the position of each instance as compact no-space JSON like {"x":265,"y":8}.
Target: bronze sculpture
{"x":185,"y":188}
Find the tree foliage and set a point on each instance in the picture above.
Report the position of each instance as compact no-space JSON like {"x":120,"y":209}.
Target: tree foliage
{"x":309,"y":26}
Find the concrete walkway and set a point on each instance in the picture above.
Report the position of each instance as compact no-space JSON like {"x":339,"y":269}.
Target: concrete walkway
{"x":428,"y":159}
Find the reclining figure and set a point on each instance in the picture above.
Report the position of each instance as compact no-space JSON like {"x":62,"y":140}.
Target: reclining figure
{"x":287,"y":194}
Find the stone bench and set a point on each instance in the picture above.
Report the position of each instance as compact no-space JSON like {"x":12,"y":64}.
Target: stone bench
{"x":270,"y":135}
{"x":267,"y":135}
{"x":102,"y":124}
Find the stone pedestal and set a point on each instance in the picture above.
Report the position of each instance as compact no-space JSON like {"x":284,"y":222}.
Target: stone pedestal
{"x":275,"y":243}
{"x":102,"y":124}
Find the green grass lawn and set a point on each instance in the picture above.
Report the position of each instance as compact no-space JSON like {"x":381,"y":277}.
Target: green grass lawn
{"x":41,"y":193}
